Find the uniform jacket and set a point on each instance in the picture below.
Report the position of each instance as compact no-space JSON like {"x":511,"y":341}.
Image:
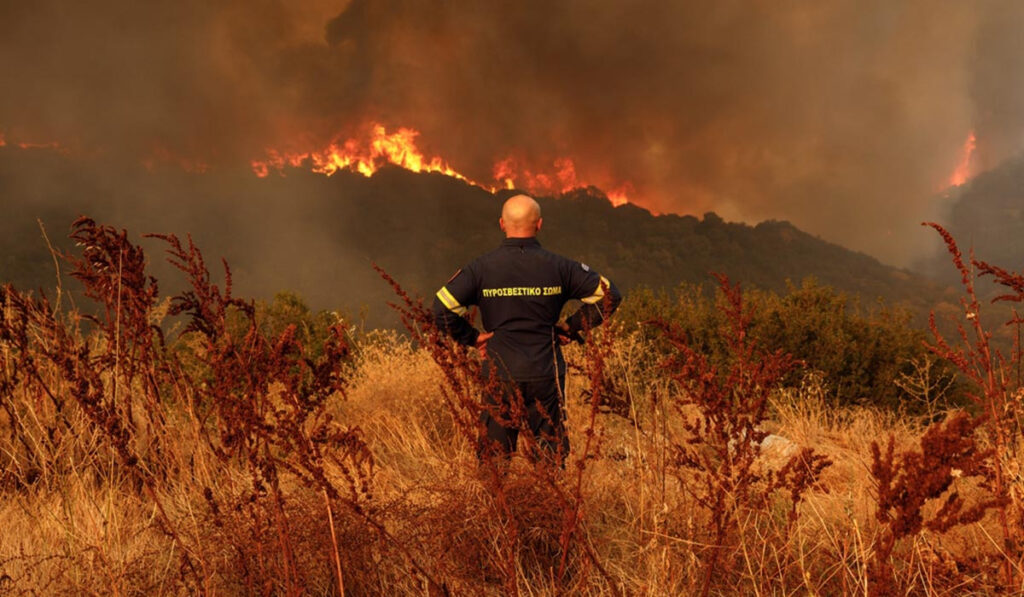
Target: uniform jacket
{"x":520,"y":289}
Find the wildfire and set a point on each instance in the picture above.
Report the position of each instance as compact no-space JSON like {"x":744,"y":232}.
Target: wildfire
{"x":963,"y":168}
{"x":620,"y":196}
{"x":561,"y":179}
{"x":378,"y":149}
{"x":399,"y":148}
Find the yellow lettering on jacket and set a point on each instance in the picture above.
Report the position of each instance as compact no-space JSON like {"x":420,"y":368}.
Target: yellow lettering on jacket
{"x":521,"y":291}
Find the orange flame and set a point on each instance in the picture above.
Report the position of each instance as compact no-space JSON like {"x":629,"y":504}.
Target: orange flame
{"x":561,"y":180}
{"x":620,"y":196}
{"x":963,"y":169}
{"x":399,"y":149}
{"x":367,"y":157}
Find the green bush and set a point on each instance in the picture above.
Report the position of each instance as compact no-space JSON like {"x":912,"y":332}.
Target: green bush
{"x":865,"y":355}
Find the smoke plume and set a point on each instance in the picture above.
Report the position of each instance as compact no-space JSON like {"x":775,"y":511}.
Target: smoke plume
{"x":844,"y":117}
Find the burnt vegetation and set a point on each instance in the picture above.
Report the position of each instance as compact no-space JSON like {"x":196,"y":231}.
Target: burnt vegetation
{"x":726,"y":442}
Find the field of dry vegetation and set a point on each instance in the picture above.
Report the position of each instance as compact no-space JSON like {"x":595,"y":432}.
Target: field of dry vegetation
{"x":193,"y":445}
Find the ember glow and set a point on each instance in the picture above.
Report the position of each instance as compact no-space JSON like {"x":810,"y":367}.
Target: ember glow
{"x":53,"y":145}
{"x":399,"y":148}
{"x":963,"y":169}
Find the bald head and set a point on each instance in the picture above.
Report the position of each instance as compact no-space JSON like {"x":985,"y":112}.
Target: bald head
{"x":520,"y":217}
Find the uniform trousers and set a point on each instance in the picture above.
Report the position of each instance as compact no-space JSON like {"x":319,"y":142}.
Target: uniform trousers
{"x":540,"y":413}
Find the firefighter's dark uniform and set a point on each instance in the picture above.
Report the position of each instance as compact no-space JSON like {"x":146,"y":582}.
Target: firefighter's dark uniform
{"x":520,"y":289}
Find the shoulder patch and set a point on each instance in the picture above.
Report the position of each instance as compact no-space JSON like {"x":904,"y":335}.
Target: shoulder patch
{"x":455,"y":275}
{"x":585,"y":267}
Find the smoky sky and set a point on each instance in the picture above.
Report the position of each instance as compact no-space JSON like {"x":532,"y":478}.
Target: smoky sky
{"x":844,"y":117}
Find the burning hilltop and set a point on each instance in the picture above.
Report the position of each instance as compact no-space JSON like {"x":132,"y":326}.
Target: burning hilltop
{"x":379,"y":147}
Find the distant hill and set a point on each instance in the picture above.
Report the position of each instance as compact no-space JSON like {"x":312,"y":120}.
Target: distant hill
{"x":317,"y":236}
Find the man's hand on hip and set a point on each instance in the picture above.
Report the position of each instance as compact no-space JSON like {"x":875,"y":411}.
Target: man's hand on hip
{"x":566,"y":336}
{"x":481,"y":343}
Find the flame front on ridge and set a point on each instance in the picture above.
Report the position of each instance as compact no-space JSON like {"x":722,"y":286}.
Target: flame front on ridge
{"x":399,"y":148}
{"x":368,"y":156}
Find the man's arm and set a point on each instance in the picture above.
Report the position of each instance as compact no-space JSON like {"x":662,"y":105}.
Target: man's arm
{"x":449,"y":308}
{"x":601,"y":302}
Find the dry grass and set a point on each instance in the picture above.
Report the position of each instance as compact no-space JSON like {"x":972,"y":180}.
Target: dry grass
{"x":88,"y":530}
{"x":369,"y":484}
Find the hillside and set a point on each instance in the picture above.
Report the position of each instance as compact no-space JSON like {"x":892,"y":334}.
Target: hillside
{"x":318,"y":236}
{"x":987,"y":213}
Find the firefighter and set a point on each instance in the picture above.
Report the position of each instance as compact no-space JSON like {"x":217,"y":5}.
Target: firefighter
{"x":520,"y":289}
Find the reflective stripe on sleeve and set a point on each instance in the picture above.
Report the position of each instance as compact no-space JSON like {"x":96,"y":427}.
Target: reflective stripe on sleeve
{"x":449,"y":301}
{"x":598,"y":293}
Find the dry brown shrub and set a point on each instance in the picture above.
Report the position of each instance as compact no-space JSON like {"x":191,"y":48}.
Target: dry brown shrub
{"x":909,"y":480}
{"x":262,"y":456}
{"x":996,"y":381}
{"x":723,"y":414}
